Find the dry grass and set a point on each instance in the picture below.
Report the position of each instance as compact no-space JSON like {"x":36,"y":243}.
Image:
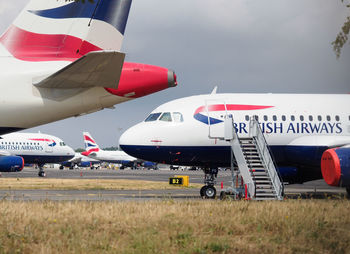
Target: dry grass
{"x":84,"y":184}
{"x":293,"y":226}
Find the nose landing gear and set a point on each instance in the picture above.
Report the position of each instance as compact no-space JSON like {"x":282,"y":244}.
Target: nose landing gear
{"x":41,"y":172}
{"x":208,"y":190}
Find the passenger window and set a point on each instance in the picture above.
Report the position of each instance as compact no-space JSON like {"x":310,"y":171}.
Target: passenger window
{"x":292,"y":118}
{"x":311,"y":118}
{"x":283,"y":118}
{"x":152,"y":117}
{"x":178,"y":117}
{"x":319,"y":118}
{"x":247,"y":118}
{"x":266,"y":118}
{"x":274,"y":118}
{"x":328,"y":118}
{"x":337,"y":118}
{"x":166,"y":117}
{"x":301,"y":118}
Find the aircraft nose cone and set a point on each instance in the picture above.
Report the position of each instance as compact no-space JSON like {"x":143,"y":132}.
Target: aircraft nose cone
{"x":172,"y":78}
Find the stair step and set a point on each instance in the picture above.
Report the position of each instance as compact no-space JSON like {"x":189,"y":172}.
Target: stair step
{"x":265,"y":194}
{"x":262,"y":186}
{"x":272,"y":198}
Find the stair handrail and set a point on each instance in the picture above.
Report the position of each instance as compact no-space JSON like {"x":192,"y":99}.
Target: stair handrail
{"x":256,"y":132}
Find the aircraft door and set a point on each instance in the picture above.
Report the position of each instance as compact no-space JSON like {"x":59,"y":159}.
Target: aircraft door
{"x":48,"y":147}
{"x":216,"y":112}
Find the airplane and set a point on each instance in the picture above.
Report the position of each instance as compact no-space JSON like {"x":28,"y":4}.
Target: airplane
{"x":17,"y":149}
{"x":308,"y":134}
{"x":61,"y":59}
{"x":80,"y":161}
{"x":92,"y":150}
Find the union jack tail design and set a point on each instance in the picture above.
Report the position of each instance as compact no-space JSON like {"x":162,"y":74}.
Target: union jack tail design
{"x":90,"y":144}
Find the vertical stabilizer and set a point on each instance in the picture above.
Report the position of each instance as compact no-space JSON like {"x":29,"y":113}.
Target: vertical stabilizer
{"x":90,"y":144}
{"x":52,"y":30}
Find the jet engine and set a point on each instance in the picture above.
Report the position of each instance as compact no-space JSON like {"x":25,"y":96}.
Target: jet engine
{"x":335,"y":166}
{"x":11,"y":163}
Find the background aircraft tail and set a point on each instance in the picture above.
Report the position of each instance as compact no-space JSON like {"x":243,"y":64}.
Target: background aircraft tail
{"x":90,"y":144}
{"x":52,"y":30}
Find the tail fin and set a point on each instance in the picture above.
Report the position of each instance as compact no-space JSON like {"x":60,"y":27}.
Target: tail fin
{"x":90,"y":144}
{"x":52,"y":30}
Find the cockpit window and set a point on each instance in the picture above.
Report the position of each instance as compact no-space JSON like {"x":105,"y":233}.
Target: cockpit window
{"x":166,"y":117}
{"x":178,"y":118}
{"x":152,"y":117}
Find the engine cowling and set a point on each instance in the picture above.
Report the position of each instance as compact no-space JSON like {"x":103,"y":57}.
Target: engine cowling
{"x":11,"y":163}
{"x":335,"y":167}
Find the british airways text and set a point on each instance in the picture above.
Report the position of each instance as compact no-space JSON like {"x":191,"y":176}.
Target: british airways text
{"x":293,"y":128}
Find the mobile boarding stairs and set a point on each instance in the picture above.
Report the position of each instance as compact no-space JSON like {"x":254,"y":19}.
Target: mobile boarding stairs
{"x":254,"y":175}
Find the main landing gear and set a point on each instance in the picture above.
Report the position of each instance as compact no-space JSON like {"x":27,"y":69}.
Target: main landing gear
{"x":41,"y":171}
{"x":348,"y":191}
{"x":208,"y":190}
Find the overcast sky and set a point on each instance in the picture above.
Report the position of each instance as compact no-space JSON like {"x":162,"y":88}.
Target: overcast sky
{"x":238,"y":45}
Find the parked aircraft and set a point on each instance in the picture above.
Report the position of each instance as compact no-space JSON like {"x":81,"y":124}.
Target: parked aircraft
{"x":31,"y":148}
{"x":308,"y":134}
{"x":80,"y":161}
{"x":92,"y":150}
{"x":61,"y":59}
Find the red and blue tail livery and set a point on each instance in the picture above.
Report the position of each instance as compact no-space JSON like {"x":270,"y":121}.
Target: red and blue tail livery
{"x":51,"y":30}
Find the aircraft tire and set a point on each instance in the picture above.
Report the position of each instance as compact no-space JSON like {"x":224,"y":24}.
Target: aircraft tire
{"x":42,"y":174}
{"x":348,"y":191}
{"x":210,"y":192}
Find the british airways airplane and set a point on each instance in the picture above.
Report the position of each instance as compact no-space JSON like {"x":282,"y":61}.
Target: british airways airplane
{"x":308,"y":134}
{"x":93,"y":151}
{"x":61,"y":59}
{"x":17,"y":149}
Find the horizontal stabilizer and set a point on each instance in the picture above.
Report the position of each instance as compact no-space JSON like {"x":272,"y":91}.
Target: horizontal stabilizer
{"x":99,"y":68}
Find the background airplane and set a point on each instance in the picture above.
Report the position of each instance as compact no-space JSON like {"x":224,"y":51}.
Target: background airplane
{"x":61,"y":59}
{"x":92,"y":150}
{"x":80,"y":161}
{"x":17,"y":149}
{"x":305,"y":132}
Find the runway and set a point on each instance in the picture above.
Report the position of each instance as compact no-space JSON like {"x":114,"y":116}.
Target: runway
{"x":314,"y":189}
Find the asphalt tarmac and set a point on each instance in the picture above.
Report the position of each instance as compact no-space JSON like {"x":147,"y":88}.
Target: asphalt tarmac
{"x":313,"y":189}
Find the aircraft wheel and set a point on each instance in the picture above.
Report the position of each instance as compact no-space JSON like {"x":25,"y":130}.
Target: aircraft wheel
{"x":348,"y":191}
{"x":202,"y":191}
{"x":210,"y":192}
{"x":42,"y":174}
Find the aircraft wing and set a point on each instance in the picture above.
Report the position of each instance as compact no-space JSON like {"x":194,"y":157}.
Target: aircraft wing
{"x":99,"y":68}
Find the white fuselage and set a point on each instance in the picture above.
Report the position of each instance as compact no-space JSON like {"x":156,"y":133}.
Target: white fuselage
{"x":35,"y":148}
{"x":297,"y":127}
{"x":112,"y":156}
